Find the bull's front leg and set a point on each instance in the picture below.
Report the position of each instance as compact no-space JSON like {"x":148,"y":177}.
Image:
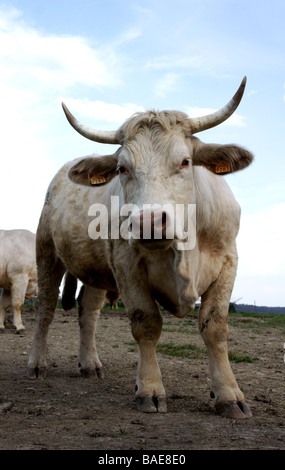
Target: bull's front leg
{"x":213,"y":315}
{"x":146,"y":329}
{"x":146,"y":325}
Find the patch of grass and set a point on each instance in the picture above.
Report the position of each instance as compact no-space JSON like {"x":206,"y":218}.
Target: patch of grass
{"x":183,"y":350}
{"x":191,"y":351}
{"x":179,"y":327}
{"x":115,"y":309}
{"x":237,"y":357}
{"x":257,"y":321}
{"x":179,"y":330}
{"x":133,"y":345}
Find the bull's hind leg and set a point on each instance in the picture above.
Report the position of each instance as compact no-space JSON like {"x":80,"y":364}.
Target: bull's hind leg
{"x":50,"y":273}
{"x":90,"y":303}
{"x":213,"y":315}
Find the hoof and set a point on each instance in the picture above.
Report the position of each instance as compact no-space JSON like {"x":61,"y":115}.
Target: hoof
{"x":20,"y":331}
{"x":36,"y":373}
{"x":231,"y":409}
{"x":89,"y":373}
{"x":151,"y":404}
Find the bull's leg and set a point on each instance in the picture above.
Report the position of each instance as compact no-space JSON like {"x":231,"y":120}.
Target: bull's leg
{"x":50,"y":273}
{"x":90,"y":303}
{"x":229,"y":400}
{"x":4,"y":304}
{"x":146,"y":329}
{"x":146,"y":325}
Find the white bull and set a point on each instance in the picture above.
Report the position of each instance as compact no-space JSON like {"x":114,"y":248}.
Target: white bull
{"x":18,"y":272}
{"x":158,"y":168}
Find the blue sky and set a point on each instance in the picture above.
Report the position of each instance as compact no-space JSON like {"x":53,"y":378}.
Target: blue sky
{"x":109,"y":59}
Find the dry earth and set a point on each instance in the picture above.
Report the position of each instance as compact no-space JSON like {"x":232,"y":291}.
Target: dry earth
{"x":66,"y":411}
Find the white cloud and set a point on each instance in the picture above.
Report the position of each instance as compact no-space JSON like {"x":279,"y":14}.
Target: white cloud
{"x":235,"y":120}
{"x":102,"y":111}
{"x":252,"y":92}
{"x":48,"y":63}
{"x":189,"y":62}
{"x":166,"y":84}
{"x":261,"y":266}
{"x":129,"y":35}
{"x":24,"y":162}
{"x":261,"y":242}
{"x":35,"y":69}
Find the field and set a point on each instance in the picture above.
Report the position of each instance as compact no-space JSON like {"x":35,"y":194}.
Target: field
{"x":66,"y":411}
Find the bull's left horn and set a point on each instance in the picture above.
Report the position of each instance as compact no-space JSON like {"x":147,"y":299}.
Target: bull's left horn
{"x":104,"y":137}
{"x":211,"y":120}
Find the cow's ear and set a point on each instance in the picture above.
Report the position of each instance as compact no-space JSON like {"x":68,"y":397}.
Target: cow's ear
{"x":94,"y":171}
{"x":220,"y":159}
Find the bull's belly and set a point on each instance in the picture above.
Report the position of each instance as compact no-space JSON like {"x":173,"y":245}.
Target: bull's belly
{"x":86,"y":260}
{"x":97,"y":279}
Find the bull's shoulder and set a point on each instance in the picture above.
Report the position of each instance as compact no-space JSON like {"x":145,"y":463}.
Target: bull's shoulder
{"x":214,"y":198}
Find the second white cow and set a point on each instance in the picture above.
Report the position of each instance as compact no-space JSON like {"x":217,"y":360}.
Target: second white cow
{"x":18,"y":273}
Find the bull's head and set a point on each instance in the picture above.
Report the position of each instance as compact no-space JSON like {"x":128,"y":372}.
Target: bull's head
{"x":156,"y":164}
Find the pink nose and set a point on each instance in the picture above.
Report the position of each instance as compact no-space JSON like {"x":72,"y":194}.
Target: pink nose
{"x":149,"y":225}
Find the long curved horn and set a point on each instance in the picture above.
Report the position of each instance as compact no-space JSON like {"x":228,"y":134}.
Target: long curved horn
{"x":211,"y":120}
{"x":104,"y":137}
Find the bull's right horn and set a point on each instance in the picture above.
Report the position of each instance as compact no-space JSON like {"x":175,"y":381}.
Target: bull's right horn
{"x":211,"y":120}
{"x":104,"y":137}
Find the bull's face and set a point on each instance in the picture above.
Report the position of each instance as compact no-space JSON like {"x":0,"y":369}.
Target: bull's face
{"x":155,"y":167}
{"x":156,"y":175}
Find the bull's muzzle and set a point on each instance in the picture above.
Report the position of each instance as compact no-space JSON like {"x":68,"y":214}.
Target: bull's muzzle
{"x":148,"y":225}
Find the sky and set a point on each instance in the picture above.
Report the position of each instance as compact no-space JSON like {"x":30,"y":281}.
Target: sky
{"x":109,"y":59}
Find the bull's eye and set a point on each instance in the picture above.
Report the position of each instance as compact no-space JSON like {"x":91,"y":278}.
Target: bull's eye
{"x":185,"y":163}
{"x":122,"y":169}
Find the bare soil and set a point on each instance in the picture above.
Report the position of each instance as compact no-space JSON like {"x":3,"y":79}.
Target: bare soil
{"x":66,"y":411}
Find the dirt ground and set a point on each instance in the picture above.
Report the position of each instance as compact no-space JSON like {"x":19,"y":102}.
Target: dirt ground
{"x":66,"y":411}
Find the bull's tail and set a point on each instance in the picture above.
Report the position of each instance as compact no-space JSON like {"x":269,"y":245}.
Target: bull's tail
{"x":69,"y":291}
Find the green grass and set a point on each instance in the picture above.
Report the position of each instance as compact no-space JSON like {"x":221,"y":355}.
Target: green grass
{"x":181,"y":329}
{"x":256,"y":321}
{"x":237,"y":357}
{"x":132,"y":345}
{"x":183,"y":350}
{"x":194,"y":352}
